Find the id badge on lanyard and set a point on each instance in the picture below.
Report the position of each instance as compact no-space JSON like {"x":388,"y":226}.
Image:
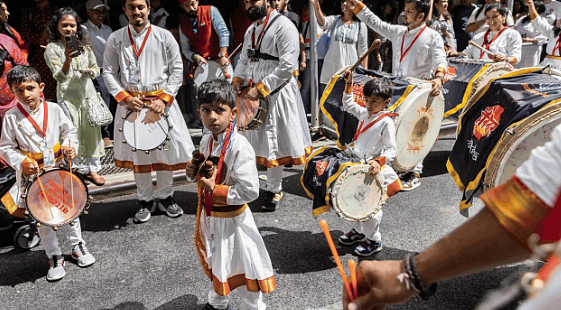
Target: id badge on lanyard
{"x":48,"y":155}
{"x":134,"y":73}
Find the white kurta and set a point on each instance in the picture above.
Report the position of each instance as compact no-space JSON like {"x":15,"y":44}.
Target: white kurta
{"x":19,"y":134}
{"x":481,"y":16}
{"x":508,"y":43}
{"x":552,"y":11}
{"x":161,"y":67}
{"x":237,"y":247}
{"x":426,"y":54}
{"x":284,"y":137}
{"x":549,"y":31}
{"x":531,"y":52}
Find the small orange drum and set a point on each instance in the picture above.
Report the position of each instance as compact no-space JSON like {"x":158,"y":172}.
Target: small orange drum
{"x":52,"y":204}
{"x":251,"y":113}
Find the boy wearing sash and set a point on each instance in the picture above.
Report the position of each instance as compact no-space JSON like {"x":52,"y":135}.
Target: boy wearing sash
{"x":31,"y":135}
{"x":229,"y":245}
{"x":374,"y":144}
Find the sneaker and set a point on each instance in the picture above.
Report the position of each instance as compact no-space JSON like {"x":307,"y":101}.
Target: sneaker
{"x":210,"y":307}
{"x":169,"y":206}
{"x":82,"y":255}
{"x":271,"y":201}
{"x":145,"y":209}
{"x":368,"y":247}
{"x":412,"y":183}
{"x":351,"y":237}
{"x":56,"y":268}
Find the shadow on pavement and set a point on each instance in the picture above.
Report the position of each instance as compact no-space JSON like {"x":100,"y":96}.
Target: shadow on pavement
{"x":21,"y":267}
{"x":186,"y":302}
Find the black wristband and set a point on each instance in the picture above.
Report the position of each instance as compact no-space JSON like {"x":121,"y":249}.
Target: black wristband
{"x":411,"y":269}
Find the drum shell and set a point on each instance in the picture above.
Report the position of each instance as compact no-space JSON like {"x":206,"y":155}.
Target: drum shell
{"x":212,"y":70}
{"x":143,"y":136}
{"x":251,"y":114}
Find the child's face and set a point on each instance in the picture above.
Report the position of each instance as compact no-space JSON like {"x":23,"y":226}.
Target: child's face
{"x":217,"y":117}
{"x":375,"y":104}
{"x":28,"y":93}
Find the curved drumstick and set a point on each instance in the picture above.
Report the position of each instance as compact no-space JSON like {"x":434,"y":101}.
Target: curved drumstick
{"x":470,"y":42}
{"x":325,"y":228}
{"x":352,"y":271}
{"x":235,"y":50}
{"x":374,"y":46}
{"x":45,"y":194}
{"x":71,"y":179}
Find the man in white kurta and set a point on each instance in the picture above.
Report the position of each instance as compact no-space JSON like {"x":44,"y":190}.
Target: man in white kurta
{"x":418,"y":52}
{"x":283,"y":138}
{"x":156,"y":71}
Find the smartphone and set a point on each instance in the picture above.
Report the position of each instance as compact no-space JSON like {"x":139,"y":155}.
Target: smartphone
{"x":72,"y":43}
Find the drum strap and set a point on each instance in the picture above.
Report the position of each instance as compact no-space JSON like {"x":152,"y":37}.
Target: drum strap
{"x":209,"y":201}
{"x":43,"y":130}
{"x":259,"y":54}
{"x":360,"y":130}
{"x":486,"y":44}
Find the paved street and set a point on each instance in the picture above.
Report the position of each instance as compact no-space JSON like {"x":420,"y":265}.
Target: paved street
{"x":155,"y":266}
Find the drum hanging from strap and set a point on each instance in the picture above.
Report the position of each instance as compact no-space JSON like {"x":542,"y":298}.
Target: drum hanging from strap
{"x":145,"y":130}
{"x":357,"y":196}
{"x":212,"y":70}
{"x":251,"y":113}
{"x":417,"y":125}
{"x":52,"y":200}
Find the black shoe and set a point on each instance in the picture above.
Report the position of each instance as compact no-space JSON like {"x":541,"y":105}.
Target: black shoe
{"x":170,"y":207}
{"x":209,"y":307}
{"x":271,"y":201}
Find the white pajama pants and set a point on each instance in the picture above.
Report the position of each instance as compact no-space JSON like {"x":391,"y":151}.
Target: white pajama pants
{"x":250,"y":300}
{"x":145,"y":189}
{"x":50,"y":241}
{"x":274,"y":179}
{"x":371,"y":227}
{"x":92,"y":164}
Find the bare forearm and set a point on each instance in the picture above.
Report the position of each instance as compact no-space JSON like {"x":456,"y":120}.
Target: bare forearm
{"x":365,"y":62}
{"x":474,"y":26}
{"x":319,"y":14}
{"x":66,"y":66}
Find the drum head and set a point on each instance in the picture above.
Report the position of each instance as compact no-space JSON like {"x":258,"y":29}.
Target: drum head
{"x":417,"y":126}
{"x":356,"y":196}
{"x":517,"y":143}
{"x":251,"y":113}
{"x":145,"y":130}
{"x":212,"y":70}
{"x":57,"y":208}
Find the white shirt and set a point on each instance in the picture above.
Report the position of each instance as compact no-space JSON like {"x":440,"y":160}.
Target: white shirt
{"x":472,"y":19}
{"x":160,"y":12}
{"x":98,"y":39}
{"x":548,"y":30}
{"x":426,"y":54}
{"x":508,"y":43}
{"x":552,"y":11}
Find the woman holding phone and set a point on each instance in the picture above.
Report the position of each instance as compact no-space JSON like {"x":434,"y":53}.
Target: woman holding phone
{"x":74,"y":66}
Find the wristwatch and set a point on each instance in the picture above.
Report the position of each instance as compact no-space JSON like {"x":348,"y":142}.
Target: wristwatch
{"x":220,"y":55}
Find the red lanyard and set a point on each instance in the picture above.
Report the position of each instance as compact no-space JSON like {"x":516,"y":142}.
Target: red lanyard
{"x":262,"y":30}
{"x":209,"y":201}
{"x":137,"y":52}
{"x":33,"y":122}
{"x":412,"y":42}
{"x":557,"y":47}
{"x":487,"y":44}
{"x":360,"y":130}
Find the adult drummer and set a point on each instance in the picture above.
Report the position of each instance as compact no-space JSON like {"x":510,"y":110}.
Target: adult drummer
{"x":504,"y":43}
{"x":553,"y":49}
{"x":267,"y":64}
{"x":142,"y":68}
{"x":418,"y":52}
{"x":203,"y":34}
{"x":477,"y":20}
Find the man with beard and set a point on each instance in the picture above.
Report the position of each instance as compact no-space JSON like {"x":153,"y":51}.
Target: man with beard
{"x":418,"y":52}
{"x":198,"y":40}
{"x":267,"y":64}
{"x":142,"y":68}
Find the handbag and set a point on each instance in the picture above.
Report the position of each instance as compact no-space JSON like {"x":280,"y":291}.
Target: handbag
{"x":322,"y":44}
{"x":98,"y":112}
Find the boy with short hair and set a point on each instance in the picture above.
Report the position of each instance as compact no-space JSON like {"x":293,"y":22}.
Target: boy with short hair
{"x":230,"y":247}
{"x":31,"y":135}
{"x":373,"y":144}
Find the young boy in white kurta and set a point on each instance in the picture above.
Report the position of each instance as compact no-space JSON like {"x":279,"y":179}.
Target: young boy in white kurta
{"x":31,"y":135}
{"x":230,"y":247}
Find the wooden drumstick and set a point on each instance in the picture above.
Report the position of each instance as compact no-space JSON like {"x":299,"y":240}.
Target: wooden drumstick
{"x":325,"y":228}
{"x":71,"y":179}
{"x":235,"y":50}
{"x":482,"y":48}
{"x":45,"y":194}
{"x":374,"y":46}
{"x":352,"y":271}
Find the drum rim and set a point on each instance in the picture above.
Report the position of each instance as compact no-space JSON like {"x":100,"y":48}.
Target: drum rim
{"x":67,"y":221}
{"x":379,"y":179}
{"x":229,"y":66}
{"x":261,"y":110}
{"x":509,"y":141}
{"x":164,"y":115}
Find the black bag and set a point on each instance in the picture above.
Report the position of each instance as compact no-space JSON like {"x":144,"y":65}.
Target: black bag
{"x":4,"y":55}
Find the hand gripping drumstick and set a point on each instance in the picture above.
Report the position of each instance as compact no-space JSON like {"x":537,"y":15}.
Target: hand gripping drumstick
{"x":45,"y":194}
{"x":71,"y":179}
{"x":482,"y":48}
{"x":374,"y":46}
{"x":325,"y":228}
{"x":352,"y":271}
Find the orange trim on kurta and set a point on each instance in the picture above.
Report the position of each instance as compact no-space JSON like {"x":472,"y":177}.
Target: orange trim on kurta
{"x":122,"y":96}
{"x":263,"y":90}
{"x":167,"y":98}
{"x":381,"y":160}
{"x":11,"y":206}
{"x":220,"y":194}
{"x":394,"y":187}
{"x":238,"y":79}
{"x":517,"y":209}
{"x":358,"y":8}
{"x":284,"y":160}
{"x":253,"y":285}
{"x":148,"y":168}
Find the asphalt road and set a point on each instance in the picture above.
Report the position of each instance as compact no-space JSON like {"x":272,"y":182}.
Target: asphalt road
{"x":154,"y":265}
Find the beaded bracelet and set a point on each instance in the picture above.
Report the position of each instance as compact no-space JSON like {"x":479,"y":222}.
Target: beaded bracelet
{"x":418,"y":284}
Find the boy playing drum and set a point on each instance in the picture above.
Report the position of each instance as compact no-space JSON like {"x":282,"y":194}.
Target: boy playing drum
{"x":373,"y":144}
{"x":30,"y":140}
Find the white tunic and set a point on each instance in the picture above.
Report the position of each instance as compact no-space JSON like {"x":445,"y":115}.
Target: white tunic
{"x":549,"y":31}
{"x":426,"y":54}
{"x":552,"y":11}
{"x":284,"y":137}
{"x":18,"y":134}
{"x":531,"y":52}
{"x":161,"y":67}
{"x":481,"y":16}
{"x":508,"y":43}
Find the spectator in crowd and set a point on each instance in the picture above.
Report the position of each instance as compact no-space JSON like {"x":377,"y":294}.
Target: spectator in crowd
{"x":476,"y":22}
{"x":282,"y":7}
{"x":553,"y":12}
{"x":461,"y":13}
{"x":519,"y":10}
{"x":305,"y":76}
{"x":98,"y":34}
{"x":387,"y":12}
{"x":74,"y":71}
{"x":34,"y":31}
{"x":442,"y":23}
{"x":8,"y":30}
{"x":532,"y":39}
{"x":123,"y":20}
{"x":158,"y":15}
{"x":15,"y":56}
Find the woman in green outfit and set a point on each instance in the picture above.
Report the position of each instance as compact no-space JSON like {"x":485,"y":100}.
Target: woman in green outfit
{"x":74,"y":71}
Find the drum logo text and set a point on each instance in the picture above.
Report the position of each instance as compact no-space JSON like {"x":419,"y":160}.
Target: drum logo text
{"x":471,"y":147}
{"x":321,"y":165}
{"x":57,"y":196}
{"x":488,"y":121}
{"x":358,"y":94}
